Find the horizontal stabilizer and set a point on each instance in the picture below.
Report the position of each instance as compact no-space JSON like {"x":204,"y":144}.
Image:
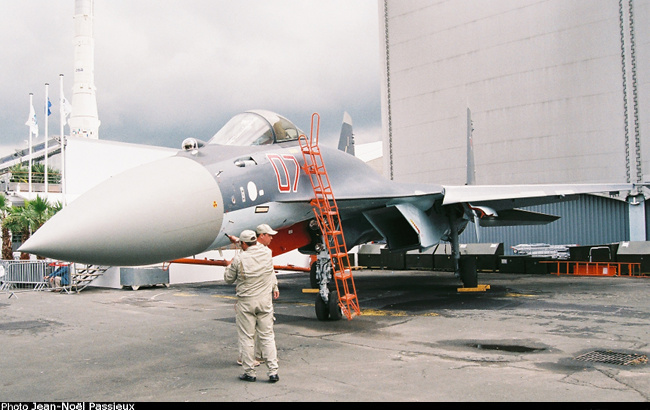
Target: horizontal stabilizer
{"x":515,"y":217}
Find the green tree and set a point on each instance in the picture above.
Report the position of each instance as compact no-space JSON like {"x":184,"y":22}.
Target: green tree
{"x":18,"y":223}
{"x":38,"y":174}
{"x":28,"y":218}
{"x":20,"y":173}
{"x":7,"y":252}
{"x":38,"y":210}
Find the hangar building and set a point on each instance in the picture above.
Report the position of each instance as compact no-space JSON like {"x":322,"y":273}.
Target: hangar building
{"x":551,"y":91}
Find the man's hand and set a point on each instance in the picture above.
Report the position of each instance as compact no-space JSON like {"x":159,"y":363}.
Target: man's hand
{"x":276,"y":294}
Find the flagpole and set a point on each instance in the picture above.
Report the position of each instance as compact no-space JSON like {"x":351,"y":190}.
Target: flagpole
{"x":31,"y":104}
{"x":47,"y":114}
{"x":62,"y":112}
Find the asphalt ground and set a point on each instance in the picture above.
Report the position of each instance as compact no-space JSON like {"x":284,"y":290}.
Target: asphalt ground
{"x":418,"y":339}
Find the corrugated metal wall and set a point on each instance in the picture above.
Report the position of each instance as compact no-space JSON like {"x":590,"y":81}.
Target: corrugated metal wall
{"x":608,"y":222}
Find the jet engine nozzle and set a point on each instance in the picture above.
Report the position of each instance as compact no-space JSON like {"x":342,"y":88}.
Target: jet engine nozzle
{"x":160,"y":211}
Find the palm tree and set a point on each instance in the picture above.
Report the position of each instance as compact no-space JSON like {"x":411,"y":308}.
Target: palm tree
{"x":28,"y":218}
{"x":7,"y":252}
{"x":19,"y":173}
{"x":38,"y":173}
{"x":38,"y":210}
{"x":18,"y":223}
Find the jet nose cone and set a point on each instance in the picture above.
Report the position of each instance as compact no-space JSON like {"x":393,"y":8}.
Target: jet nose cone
{"x":164,"y":210}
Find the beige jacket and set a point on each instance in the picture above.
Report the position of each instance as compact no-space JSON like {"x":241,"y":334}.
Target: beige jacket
{"x":252,"y":271}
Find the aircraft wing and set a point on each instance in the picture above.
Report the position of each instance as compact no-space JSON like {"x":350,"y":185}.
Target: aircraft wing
{"x":501,"y":197}
{"x":402,"y":214}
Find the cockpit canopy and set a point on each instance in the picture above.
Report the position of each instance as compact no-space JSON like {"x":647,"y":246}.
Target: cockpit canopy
{"x":257,"y":127}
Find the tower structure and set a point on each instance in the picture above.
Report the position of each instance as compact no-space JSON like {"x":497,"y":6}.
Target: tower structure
{"x":84,"y":121}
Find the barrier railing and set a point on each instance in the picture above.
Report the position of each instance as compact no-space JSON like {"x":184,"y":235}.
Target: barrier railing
{"x":24,"y":274}
{"x":596,"y":268}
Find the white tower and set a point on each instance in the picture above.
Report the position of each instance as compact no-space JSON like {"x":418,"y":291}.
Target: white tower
{"x":84,"y":121}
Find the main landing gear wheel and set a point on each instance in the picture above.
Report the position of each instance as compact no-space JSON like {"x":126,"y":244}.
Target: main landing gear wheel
{"x":468,"y":274}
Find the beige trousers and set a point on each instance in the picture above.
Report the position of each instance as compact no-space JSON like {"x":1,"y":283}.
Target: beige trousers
{"x":255,"y":316}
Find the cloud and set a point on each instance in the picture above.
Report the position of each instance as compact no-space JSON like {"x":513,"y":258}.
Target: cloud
{"x":168,"y":70}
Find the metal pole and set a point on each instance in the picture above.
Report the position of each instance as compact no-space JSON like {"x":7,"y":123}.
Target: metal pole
{"x":62,"y":135}
{"x":47,"y":111}
{"x":29,"y":171}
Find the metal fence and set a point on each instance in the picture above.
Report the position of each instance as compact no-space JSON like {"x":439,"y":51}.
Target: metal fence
{"x":23,"y":274}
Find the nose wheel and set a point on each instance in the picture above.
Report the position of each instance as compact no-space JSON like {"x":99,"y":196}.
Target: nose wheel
{"x":330,"y":309}
{"x":327,"y":300}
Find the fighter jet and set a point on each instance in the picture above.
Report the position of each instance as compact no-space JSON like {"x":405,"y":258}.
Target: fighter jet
{"x":251,"y":172}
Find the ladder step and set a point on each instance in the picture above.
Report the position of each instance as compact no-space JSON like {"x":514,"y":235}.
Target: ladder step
{"x":347,"y":297}
{"x":342,"y":275}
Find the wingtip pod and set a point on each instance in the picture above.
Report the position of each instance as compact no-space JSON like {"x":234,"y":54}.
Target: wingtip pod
{"x":159,"y":211}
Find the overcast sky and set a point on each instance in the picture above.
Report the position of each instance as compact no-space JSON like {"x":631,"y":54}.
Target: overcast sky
{"x":167,"y":70}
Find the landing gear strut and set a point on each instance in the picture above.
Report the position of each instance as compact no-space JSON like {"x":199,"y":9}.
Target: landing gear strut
{"x":327,"y":301}
{"x":464,"y":266}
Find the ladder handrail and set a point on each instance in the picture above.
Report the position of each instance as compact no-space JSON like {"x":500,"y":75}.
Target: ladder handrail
{"x":327,"y":216}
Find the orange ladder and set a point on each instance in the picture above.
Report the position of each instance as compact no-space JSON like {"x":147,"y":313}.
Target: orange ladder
{"x":329,"y":221}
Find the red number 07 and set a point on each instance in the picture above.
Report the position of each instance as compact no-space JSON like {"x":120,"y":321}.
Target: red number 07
{"x":281,"y":165}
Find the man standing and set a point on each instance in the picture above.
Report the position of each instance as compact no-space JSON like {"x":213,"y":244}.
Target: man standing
{"x":264,"y":237}
{"x":264,"y":234}
{"x":252,"y":271}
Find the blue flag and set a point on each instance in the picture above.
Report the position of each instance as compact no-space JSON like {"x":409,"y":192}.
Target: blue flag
{"x":49,"y":104}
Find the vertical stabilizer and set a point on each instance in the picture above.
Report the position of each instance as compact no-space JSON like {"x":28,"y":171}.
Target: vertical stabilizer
{"x":346,"y":141}
{"x":471,"y":169}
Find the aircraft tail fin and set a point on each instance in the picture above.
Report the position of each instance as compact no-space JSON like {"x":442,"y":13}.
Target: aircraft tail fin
{"x":346,"y":140}
{"x":471,"y":168}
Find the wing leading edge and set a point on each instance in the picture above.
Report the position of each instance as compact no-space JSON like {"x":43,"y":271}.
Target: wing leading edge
{"x":512,"y":196}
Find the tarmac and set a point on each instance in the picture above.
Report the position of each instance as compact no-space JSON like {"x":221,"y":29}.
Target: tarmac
{"x":418,"y":339}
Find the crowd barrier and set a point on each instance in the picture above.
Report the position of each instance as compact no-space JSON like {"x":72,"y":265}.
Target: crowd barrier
{"x":23,"y":274}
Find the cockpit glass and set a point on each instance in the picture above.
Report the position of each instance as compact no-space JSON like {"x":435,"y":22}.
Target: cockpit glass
{"x":250,"y":128}
{"x":243,"y":130}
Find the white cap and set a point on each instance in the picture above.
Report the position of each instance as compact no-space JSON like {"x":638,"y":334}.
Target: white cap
{"x":248,"y":236}
{"x":264,"y":228}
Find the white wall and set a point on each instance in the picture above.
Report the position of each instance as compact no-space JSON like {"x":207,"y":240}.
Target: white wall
{"x":543,"y":81}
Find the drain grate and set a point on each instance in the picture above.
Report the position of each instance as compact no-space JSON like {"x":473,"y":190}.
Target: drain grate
{"x":609,"y":357}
